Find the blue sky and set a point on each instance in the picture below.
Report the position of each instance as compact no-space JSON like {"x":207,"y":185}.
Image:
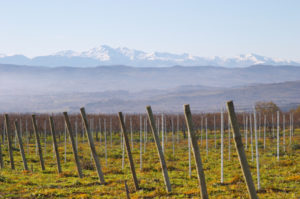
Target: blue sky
{"x":203,"y":28}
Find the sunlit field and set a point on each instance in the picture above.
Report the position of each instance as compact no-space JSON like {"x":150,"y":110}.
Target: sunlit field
{"x":279,"y":179}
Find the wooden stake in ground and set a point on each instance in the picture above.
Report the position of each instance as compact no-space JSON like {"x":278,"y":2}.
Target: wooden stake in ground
{"x":132,"y":168}
{"x":65,"y":142}
{"x":278,"y":135}
{"x":21,"y":145}
{"x":190,"y":159}
{"x":240,"y":151}
{"x":206,"y":137}
{"x":159,"y":149}
{"x":27,"y":137}
{"x":256,"y":151}
{"x":76,"y":135}
{"x":273,"y":130}
{"x":7,"y":128}
{"x":131,"y":133}
{"x":100,"y":131}
{"x":105,"y":142}
{"x":162,"y":133}
{"x":127,"y":190}
{"x":141,"y":143}
{"x":215,"y":134}
{"x":110,"y":130}
{"x":251,"y":138}
{"x":173,"y":137}
{"x":77,"y":161}
{"x":290,"y":129}
{"x":222,"y":146}
{"x":92,"y":146}
{"x":55,"y":143}
{"x":45,"y":135}
{"x":37,"y":137}
{"x":1,"y":158}
{"x":177,"y":132}
{"x":196,"y":151}
{"x":3,"y":133}
{"x":246,"y":133}
{"x":265,"y":124}
{"x":201,"y":130}
{"x":283,"y":132}
{"x":229,"y":140}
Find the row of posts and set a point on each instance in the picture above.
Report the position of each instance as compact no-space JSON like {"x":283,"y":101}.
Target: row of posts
{"x":192,"y":142}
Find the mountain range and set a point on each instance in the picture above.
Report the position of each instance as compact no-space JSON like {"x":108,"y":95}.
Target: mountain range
{"x":105,"y":55}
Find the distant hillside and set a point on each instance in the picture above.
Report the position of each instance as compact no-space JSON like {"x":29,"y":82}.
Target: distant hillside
{"x":19,"y":80}
{"x":286,"y":95}
{"x":201,"y":98}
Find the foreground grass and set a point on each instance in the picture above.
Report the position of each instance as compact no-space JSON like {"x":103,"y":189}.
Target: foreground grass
{"x":279,"y":179}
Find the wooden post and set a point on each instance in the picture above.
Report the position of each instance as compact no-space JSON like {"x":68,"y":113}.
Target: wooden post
{"x":3,"y":133}
{"x":206,"y":137}
{"x":37,"y":136}
{"x":177,"y":132}
{"x":65,"y":142}
{"x":69,"y":128}
{"x":131,"y":133}
{"x":173,"y":136}
{"x":283,"y":132}
{"x":92,"y":146}
{"x":222,"y":146}
{"x":110,"y":131}
{"x":1,"y":158}
{"x":278,"y":135}
{"x":141,"y":143}
{"x":45,"y":135}
{"x":55,"y":143}
{"x":290,"y":129}
{"x":215,"y":131}
{"x":132,"y":168}
{"x":273,"y":127}
{"x":201,"y":131}
{"x":105,"y":141}
{"x":240,"y":151}
{"x":251,"y":137}
{"x":196,"y":151}
{"x":127,"y":190}
{"x":256,"y":151}
{"x":76,"y":135}
{"x":190,"y":159}
{"x":12,"y":164}
{"x":159,"y":149}
{"x":265,"y":124}
{"x":162,"y":133}
{"x":27,"y":137}
{"x":246,"y":133}
{"x":100,"y":132}
{"x":229,"y":139}
{"x":145,"y":134}
{"x":21,"y":145}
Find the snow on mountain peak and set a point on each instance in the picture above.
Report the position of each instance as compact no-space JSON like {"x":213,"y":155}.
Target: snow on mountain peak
{"x":106,"y":55}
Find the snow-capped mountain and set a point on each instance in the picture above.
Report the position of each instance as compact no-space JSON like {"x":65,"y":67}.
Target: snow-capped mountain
{"x":106,"y":55}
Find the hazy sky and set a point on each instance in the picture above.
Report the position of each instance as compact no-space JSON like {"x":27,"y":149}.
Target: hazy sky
{"x":203,"y":28}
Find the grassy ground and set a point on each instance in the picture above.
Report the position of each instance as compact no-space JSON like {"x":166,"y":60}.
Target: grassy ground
{"x":279,"y":179}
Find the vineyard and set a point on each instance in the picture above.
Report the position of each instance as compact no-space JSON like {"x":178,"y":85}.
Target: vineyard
{"x":150,"y":155}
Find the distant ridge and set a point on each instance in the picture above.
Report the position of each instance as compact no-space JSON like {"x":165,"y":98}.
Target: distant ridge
{"x":123,"y":88}
{"x":106,"y":55}
{"x":17,"y":79}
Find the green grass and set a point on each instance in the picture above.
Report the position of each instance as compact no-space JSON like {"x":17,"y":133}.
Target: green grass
{"x":279,"y":179}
